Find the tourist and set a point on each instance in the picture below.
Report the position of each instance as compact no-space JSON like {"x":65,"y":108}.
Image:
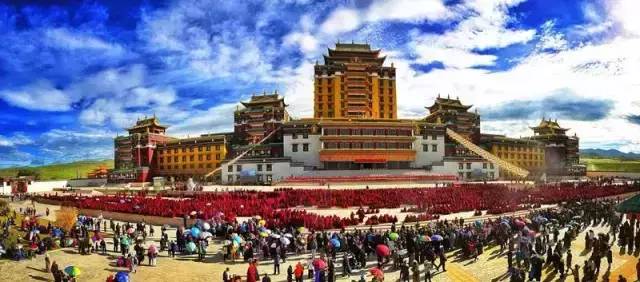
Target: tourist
{"x":276,"y":263}
{"x":47,"y":263}
{"x":252,"y":272}
{"x":299,"y":272}
{"x":415,"y":271}
{"x":290,"y":274}
{"x":428,"y":265}
{"x":225,"y":275}
{"x":266,"y":278}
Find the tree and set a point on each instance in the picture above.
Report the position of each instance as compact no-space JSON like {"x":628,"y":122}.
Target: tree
{"x":28,"y":172}
{"x":66,"y":217}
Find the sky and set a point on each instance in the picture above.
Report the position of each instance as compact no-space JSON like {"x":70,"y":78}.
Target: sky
{"x":75,"y":74}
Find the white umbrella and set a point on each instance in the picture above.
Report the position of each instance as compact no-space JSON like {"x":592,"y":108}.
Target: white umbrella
{"x":277,"y":236}
{"x":288,"y":235}
{"x":206,"y":226}
{"x":285,"y":241}
{"x":205,"y":235}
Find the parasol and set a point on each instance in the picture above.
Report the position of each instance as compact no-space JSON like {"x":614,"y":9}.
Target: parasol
{"x":383,"y":250}
{"x":394,"y":236}
{"x":205,"y":235}
{"x":122,"y":276}
{"x":191,"y":247}
{"x":335,"y":243}
{"x":72,"y":271}
{"x":195,"y":232}
{"x":276,"y":236}
{"x":376,"y":272}
{"x":285,"y":241}
{"x":319,"y":264}
{"x":436,"y":238}
{"x":206,"y":226}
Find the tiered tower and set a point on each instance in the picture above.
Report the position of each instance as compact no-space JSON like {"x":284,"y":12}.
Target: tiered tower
{"x":353,"y":83}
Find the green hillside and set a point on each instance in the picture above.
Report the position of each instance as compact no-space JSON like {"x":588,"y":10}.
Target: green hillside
{"x":611,"y":164}
{"x":60,"y":171}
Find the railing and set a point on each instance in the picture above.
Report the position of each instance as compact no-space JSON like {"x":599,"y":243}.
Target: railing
{"x":507,"y":166}
{"x":234,"y":160}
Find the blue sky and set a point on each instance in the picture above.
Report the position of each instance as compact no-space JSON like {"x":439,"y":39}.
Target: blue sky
{"x":72,"y":76}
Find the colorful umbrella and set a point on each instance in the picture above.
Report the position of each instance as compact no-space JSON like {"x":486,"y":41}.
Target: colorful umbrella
{"x":130,"y":230}
{"x":264,"y":234}
{"x":72,"y":271}
{"x":518,"y":223}
{"x":319,"y":264}
{"x":191,"y":247}
{"x":301,"y":229}
{"x":195,"y":232}
{"x":376,"y":272}
{"x":394,"y":236}
{"x":335,"y":243}
{"x":383,"y":250}
{"x":262,"y":222}
{"x":436,"y":238}
{"x":122,"y":276}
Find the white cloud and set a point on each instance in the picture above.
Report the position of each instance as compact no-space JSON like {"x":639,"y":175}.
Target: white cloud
{"x":549,"y":39}
{"x":341,"y":20}
{"x":452,"y":57}
{"x":218,"y":118}
{"x":485,"y":28}
{"x":40,"y":95}
{"x":64,"y":38}
{"x":625,"y":13}
{"x":408,"y":10}
{"x":307,"y":42}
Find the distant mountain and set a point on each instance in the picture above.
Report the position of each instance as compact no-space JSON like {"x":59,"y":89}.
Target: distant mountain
{"x":610,"y":153}
{"x":59,"y":171}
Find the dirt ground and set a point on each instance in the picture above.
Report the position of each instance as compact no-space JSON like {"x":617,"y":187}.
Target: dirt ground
{"x":95,"y":267}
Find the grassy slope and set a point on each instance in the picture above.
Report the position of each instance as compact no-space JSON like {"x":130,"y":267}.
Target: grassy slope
{"x":61,"y":171}
{"x":609,"y":164}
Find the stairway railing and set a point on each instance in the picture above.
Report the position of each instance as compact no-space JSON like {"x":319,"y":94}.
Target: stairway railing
{"x":504,"y":165}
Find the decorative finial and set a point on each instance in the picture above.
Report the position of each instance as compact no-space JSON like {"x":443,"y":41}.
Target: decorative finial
{"x":457,"y":98}
{"x":275,"y":92}
{"x":448,"y":96}
{"x":438,"y":95}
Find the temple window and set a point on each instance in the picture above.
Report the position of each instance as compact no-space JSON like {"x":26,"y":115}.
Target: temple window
{"x":305,"y":147}
{"x":434,"y":147}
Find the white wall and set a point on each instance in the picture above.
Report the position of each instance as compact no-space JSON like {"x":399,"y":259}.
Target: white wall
{"x":427,"y":158}
{"x":453,"y":167}
{"x":37,"y":186}
{"x":279,"y":170}
{"x":309,"y":158}
{"x":87,"y":182}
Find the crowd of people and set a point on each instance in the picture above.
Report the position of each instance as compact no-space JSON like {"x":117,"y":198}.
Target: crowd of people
{"x":274,"y":228}
{"x":530,"y":243}
{"x":279,"y":208}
